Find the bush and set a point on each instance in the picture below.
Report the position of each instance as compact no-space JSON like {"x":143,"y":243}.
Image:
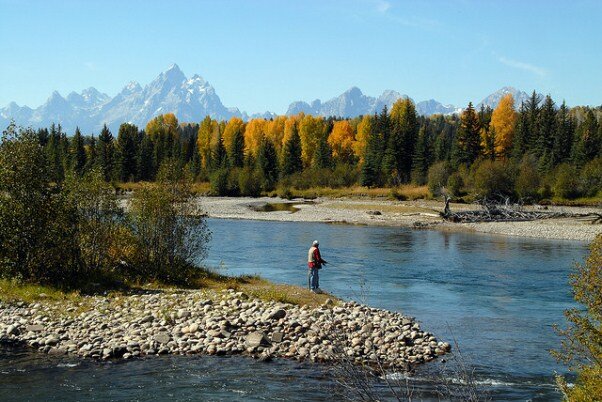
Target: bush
{"x":437,"y":177}
{"x":249,"y":182}
{"x":493,"y":179}
{"x":170,"y":230}
{"x":99,"y":221}
{"x":591,"y":178}
{"x":566,"y":182}
{"x":582,"y":339}
{"x":455,"y":184}
{"x":220,"y":183}
{"x":37,"y":226}
{"x":528,"y":180}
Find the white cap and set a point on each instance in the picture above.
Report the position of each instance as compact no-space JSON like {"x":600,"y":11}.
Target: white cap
{"x":315,"y":243}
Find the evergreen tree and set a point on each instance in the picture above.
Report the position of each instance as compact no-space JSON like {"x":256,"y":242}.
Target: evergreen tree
{"x":546,"y":132}
{"x":588,"y":143}
{"x":371,"y":175}
{"x":323,"y":155}
{"x":78,"y":153}
{"x":532,"y":128}
{"x":105,"y":151}
{"x":468,"y":139}
{"x":92,"y":158}
{"x":422,"y":157}
{"x":146,"y":168}
{"x":219,"y":157}
{"x":127,"y":152}
{"x":236,"y":153}
{"x":397,"y":161}
{"x":267,"y":163}
{"x":291,"y":153}
{"x":563,"y":136}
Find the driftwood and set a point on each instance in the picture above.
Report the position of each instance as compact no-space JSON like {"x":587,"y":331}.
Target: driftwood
{"x":492,"y":211}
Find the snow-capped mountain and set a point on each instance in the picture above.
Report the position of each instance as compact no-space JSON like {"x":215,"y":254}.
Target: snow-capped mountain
{"x":191,"y":99}
{"x":493,"y":99}
{"x":171,"y":92}
{"x":350,"y":103}
{"x":431,"y":107}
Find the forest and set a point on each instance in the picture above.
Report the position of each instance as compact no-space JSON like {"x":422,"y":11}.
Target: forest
{"x":537,"y":151}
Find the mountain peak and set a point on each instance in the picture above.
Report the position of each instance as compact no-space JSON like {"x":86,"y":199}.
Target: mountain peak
{"x":174,"y":74}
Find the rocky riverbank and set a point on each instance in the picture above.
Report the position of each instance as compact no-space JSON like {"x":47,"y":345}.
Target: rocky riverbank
{"x":423,"y":214}
{"x":218,"y":323}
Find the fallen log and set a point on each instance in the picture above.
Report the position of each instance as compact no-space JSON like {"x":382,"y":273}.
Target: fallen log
{"x":506,"y":212}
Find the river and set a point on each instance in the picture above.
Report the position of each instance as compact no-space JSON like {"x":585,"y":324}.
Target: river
{"x":497,"y":297}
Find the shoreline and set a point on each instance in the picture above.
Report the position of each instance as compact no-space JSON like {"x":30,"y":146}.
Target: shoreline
{"x":210,"y":322}
{"x":419,"y":214}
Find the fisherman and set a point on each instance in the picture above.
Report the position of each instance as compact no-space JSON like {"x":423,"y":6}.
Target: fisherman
{"x":314,"y":263}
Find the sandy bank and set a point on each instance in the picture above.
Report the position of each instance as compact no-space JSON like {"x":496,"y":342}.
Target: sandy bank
{"x":422,"y":214}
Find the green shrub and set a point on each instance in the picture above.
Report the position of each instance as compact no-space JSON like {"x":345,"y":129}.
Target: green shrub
{"x":220,"y":183}
{"x":437,"y":177}
{"x":99,"y":221}
{"x":37,"y":224}
{"x":170,"y":230}
{"x":566,"y":182}
{"x":455,"y":184}
{"x":493,"y":179}
{"x":249,"y":182}
{"x":528,"y":181}
{"x":591,"y":178}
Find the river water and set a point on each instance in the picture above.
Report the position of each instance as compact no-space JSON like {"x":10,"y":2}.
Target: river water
{"x":497,"y":297}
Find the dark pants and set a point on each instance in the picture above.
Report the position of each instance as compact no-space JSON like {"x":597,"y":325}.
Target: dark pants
{"x":314,"y":278}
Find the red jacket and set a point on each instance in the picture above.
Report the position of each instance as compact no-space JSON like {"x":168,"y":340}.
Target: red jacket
{"x":314,"y":258}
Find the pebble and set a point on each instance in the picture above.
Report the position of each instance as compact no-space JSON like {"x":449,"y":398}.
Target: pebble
{"x":219,"y":323}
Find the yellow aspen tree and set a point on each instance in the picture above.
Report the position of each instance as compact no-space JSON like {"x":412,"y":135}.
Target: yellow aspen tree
{"x":235,"y":124}
{"x":341,"y":141}
{"x":364,"y":129}
{"x":254,"y":133}
{"x":275,"y":131}
{"x":503,"y":123}
{"x":311,"y":130}
{"x":205,"y":139}
{"x":164,"y":123}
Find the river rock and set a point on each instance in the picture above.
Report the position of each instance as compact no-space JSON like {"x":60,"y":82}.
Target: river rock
{"x":162,"y":337}
{"x":256,"y":339}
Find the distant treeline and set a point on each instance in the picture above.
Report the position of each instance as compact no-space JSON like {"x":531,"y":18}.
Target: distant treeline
{"x":541,"y":150}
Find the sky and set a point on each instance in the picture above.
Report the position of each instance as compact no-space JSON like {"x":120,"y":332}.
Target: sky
{"x":263,"y":54}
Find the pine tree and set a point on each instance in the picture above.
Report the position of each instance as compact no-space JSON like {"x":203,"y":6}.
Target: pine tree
{"x":267,"y":163}
{"x":422,"y":157}
{"x":587,"y":146}
{"x":78,"y":153}
{"x":323,"y":155}
{"x":563,"y":136}
{"x":236,"y":153}
{"x":127,"y":151}
{"x":219,"y":157}
{"x":399,"y":153}
{"x":146,"y":169}
{"x":92,"y":157}
{"x":291,"y":153}
{"x":105,"y":151}
{"x":468,"y":139}
{"x":545,"y":133}
{"x":371,"y":169}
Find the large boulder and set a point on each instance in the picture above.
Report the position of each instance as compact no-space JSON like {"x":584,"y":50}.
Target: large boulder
{"x":255,"y":339}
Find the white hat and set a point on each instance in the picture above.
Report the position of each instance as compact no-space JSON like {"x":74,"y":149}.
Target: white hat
{"x":315,"y":243}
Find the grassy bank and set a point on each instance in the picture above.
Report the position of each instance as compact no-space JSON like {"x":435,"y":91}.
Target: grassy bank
{"x":254,"y":286}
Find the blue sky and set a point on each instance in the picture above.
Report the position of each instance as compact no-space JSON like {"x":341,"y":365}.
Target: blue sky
{"x":262,"y":54}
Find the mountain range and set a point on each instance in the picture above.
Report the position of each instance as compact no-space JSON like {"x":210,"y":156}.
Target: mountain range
{"x":191,"y":99}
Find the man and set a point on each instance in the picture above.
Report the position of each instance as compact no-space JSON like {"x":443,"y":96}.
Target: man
{"x":314,"y":263}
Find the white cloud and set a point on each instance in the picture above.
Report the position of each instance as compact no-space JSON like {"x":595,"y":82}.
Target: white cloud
{"x":523,"y":66}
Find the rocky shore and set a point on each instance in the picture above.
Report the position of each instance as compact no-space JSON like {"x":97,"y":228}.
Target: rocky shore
{"x":421,"y":214}
{"x":218,"y":323}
